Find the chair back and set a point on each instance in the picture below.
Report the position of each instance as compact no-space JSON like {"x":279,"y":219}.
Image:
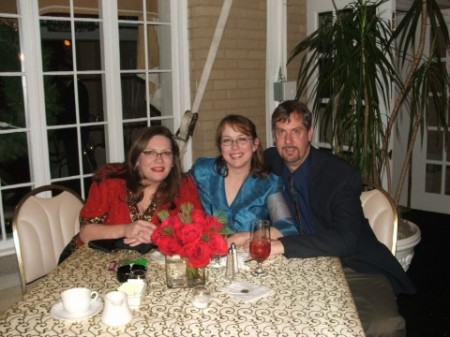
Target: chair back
{"x":42,"y":226}
{"x":380,"y":210}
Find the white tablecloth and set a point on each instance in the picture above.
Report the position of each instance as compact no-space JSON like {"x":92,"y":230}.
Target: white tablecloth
{"x":310,"y":298}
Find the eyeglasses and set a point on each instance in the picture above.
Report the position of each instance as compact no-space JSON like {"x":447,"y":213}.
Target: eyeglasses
{"x":294,"y":195}
{"x":241,"y":141}
{"x":165,"y":155}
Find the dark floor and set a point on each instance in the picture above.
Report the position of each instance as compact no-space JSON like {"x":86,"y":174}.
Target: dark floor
{"x":427,"y":313}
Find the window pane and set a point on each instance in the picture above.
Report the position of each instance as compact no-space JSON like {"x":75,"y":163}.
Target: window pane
{"x":434,"y":145}
{"x":56,"y":53}
{"x":325,"y":129}
{"x":131,"y":7}
{"x":10,"y":198}
{"x":433,"y":178}
{"x":12,"y":113}
{"x":82,"y":7}
{"x":14,"y":164}
{"x":63,"y":150}
{"x":93,"y":86}
{"x":56,"y":93}
{"x":447,"y":180}
{"x":55,"y":6}
{"x":9,"y":7}
{"x":88,"y":46}
{"x":133,"y":97}
{"x":10,"y":45}
{"x":431,"y":113}
{"x":128,"y":37}
{"x":93,"y":142}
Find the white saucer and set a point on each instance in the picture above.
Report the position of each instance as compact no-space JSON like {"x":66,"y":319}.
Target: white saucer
{"x":59,"y":312}
{"x":157,"y":256}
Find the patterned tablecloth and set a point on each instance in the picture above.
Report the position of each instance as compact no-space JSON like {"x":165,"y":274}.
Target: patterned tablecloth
{"x":310,"y":298}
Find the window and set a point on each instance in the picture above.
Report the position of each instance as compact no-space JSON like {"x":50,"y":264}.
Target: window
{"x":77,"y":81}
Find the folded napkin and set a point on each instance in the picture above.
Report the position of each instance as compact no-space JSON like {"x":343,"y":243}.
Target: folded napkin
{"x":247,"y":291}
{"x":134,"y":288}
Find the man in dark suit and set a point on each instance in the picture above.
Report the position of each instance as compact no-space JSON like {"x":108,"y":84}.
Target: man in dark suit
{"x":323,"y":193}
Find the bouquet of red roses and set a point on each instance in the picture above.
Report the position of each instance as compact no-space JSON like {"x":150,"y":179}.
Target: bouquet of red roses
{"x":192,"y":235}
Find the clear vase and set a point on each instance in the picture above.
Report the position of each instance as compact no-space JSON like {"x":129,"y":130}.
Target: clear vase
{"x":180,"y":275}
{"x":195,"y":276}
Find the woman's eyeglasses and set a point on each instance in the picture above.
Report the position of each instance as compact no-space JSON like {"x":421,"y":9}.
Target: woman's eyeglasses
{"x":239,"y":141}
{"x":153,"y":154}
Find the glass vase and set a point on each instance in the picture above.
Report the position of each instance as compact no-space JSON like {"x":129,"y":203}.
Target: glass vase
{"x":195,"y":276}
{"x":180,"y":275}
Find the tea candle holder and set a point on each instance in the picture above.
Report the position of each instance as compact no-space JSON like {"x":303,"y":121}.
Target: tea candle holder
{"x":201,"y":297}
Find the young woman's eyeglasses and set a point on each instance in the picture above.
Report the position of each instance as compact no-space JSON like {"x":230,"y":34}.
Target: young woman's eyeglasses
{"x":153,"y":154}
{"x":239,"y":141}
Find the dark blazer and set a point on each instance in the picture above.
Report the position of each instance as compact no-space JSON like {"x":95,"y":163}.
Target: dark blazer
{"x":342,"y":229}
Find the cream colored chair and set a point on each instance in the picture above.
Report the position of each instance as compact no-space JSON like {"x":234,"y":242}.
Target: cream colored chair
{"x":380,"y":210}
{"x":42,"y":226}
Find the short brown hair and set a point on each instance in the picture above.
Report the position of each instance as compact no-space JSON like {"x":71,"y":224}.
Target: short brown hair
{"x":285,"y":109}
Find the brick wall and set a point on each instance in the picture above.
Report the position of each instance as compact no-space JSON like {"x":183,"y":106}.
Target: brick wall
{"x":237,"y":80}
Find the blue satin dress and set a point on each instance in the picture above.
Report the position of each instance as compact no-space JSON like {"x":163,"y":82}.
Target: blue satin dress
{"x":256,"y":199}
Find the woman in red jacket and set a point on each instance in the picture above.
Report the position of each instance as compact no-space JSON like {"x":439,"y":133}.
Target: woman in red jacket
{"x":125,"y":198}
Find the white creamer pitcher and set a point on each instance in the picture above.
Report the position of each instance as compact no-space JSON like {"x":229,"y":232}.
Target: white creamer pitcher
{"x":116,"y":311}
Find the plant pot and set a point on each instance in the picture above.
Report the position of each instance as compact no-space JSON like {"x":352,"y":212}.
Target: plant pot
{"x":180,"y":275}
{"x":408,"y":237}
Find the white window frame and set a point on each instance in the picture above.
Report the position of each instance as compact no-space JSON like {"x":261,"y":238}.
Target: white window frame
{"x":34,"y":89}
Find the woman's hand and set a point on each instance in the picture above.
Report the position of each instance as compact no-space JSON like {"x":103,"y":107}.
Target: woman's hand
{"x":276,"y":248}
{"x":275,"y":234}
{"x":138,"y":232}
{"x":239,"y":239}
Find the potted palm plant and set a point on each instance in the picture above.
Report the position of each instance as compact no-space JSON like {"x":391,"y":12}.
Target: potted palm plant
{"x":369,"y":76}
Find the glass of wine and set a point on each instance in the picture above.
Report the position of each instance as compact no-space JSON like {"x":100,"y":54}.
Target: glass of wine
{"x":260,"y":244}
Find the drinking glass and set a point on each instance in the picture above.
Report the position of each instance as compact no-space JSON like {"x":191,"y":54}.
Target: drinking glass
{"x":216,"y":261}
{"x":260,"y":244}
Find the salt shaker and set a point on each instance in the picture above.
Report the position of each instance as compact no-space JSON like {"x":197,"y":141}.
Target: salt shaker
{"x":229,"y":273}
{"x":235,"y":259}
{"x":232,"y":264}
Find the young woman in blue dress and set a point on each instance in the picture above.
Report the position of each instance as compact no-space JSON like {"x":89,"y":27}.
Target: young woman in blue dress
{"x":238,"y":184}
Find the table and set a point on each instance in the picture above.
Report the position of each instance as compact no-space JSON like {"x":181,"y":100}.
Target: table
{"x":311,"y":298}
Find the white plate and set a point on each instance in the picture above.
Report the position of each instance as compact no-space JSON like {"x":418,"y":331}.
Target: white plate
{"x":59,"y":312}
{"x":157,"y":256}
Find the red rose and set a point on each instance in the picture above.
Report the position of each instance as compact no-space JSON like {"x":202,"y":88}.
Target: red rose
{"x":165,"y":229}
{"x":190,"y":233}
{"x":217,"y":244}
{"x":168,"y":245}
{"x":156,"y":236}
{"x":197,"y":215}
{"x":198,"y":253}
{"x":178,"y":226}
{"x":210,"y":223}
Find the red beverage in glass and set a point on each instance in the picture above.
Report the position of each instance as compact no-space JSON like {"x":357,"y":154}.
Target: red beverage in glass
{"x":259,"y":249}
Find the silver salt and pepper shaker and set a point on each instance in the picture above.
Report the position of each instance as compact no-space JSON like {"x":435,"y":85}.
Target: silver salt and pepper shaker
{"x":232,"y":268}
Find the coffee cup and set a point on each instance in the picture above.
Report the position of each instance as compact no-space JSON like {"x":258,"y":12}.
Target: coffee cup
{"x":78,"y":300}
